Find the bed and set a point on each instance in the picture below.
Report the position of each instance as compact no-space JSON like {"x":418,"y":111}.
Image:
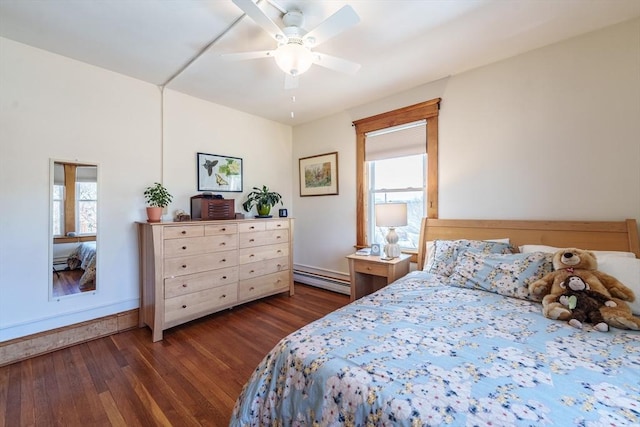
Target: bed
{"x":84,"y":257}
{"x":455,"y":343}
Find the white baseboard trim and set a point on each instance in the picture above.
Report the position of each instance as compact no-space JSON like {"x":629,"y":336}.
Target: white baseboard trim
{"x":325,"y":279}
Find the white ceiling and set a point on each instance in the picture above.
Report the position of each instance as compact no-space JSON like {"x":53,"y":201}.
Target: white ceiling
{"x":400,"y":43}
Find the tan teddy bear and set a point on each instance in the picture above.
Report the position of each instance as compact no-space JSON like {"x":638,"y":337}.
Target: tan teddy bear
{"x":582,"y":263}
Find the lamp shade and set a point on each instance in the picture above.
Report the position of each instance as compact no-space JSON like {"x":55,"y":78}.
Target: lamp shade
{"x":391,"y":214}
{"x":293,"y":58}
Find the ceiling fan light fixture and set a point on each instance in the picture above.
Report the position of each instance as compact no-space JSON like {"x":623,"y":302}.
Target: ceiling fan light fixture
{"x":293,"y":58}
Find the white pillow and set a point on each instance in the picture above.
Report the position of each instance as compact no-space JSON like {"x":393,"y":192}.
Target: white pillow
{"x":525,"y":249}
{"x":626,"y":270}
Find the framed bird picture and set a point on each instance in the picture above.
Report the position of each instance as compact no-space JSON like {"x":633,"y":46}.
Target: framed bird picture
{"x":219,"y":173}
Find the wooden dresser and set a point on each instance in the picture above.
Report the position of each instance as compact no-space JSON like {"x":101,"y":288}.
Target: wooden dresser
{"x":191,"y":269}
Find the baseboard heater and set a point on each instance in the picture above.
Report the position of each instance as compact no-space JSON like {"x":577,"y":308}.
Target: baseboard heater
{"x":320,"y":281}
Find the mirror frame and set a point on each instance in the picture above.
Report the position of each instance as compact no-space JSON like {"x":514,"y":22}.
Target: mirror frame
{"x":52,"y":163}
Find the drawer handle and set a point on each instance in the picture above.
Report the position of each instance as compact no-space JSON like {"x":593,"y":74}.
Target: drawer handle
{"x":279,"y":225}
{"x":278,"y":237}
{"x":252,"y":271}
{"x":279,"y":251}
{"x":184,"y":265}
{"x":224,"y":277}
{"x":223,"y":243}
{"x":279,"y":266}
{"x":223,"y":296}
{"x":184,"y":306}
{"x":368,"y":268}
{"x":184,"y":285}
{"x":251,"y":288}
{"x":252,"y":240}
{"x":184,"y":231}
{"x":279,"y":280}
{"x":252,"y":228}
{"x":223,"y":229}
{"x":251,"y":256}
{"x":184,"y":248}
{"x":223,"y":260}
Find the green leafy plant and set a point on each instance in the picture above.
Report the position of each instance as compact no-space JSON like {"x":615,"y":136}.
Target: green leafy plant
{"x":157,"y":196}
{"x":263,"y":199}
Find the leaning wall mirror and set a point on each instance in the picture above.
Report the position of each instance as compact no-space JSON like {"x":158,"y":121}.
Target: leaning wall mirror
{"x":74,"y":228}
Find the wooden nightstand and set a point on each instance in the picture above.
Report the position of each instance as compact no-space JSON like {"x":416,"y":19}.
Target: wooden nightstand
{"x":370,"y":273}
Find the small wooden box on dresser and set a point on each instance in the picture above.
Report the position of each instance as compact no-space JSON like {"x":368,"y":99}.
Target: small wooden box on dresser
{"x":191,"y":269}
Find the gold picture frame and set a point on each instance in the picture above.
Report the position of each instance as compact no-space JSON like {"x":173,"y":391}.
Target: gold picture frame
{"x":319,"y":175}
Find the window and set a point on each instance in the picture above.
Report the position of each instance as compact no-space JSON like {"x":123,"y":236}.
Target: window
{"x":365,"y":175}
{"x":400,"y":179}
{"x":58,"y":209}
{"x":87,"y":199}
{"x":75,"y":199}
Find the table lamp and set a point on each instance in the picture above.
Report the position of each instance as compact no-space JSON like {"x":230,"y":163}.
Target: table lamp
{"x":391,"y":215}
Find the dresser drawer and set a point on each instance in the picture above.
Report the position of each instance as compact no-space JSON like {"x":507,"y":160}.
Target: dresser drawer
{"x":200,"y":245}
{"x":180,"y":266}
{"x":178,"y":231}
{"x":263,"y":285}
{"x":213,"y":229}
{"x":261,"y":253}
{"x":277,"y":224}
{"x":183,"y":285}
{"x":260,"y":268}
{"x":250,"y":226}
{"x":261,"y":238}
{"x":375,"y":269}
{"x":190,"y":306}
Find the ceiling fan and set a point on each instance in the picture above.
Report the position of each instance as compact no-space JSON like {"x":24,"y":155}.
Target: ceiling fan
{"x":294,"y":54}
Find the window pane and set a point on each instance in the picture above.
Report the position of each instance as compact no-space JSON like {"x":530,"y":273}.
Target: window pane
{"x":410,"y":234}
{"x":87,"y":195}
{"x":58,"y":211}
{"x":399,"y":172}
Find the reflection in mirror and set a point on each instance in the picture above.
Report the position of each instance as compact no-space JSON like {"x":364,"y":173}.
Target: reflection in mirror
{"x":74,"y":227}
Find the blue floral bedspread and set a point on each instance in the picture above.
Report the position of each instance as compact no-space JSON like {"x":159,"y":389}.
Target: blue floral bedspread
{"x":423,"y":353}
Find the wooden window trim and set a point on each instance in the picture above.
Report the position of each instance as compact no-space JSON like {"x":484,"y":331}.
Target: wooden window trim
{"x":428,"y":111}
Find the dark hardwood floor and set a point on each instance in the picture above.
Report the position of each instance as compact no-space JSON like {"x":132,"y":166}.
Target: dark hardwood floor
{"x":192,"y":377}
{"x":67,"y":282}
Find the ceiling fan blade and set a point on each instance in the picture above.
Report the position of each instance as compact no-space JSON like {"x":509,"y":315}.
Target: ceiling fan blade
{"x":332,"y":26}
{"x":290,"y":82}
{"x":335,"y":63}
{"x":241,"y":56}
{"x":259,"y":17}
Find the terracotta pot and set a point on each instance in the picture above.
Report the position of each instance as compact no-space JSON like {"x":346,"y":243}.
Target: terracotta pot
{"x":154,"y":214}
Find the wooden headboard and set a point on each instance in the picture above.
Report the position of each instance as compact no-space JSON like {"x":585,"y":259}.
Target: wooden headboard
{"x":594,"y":235}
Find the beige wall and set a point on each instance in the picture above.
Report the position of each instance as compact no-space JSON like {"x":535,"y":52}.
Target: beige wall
{"x":550,"y":134}
{"x":54,"y":107}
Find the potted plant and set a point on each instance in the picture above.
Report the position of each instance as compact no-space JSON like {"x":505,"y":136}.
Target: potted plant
{"x":157,"y":198}
{"x":263,"y":199}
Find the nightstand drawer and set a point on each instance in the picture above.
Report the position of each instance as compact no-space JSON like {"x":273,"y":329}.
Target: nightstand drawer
{"x":376,"y":269}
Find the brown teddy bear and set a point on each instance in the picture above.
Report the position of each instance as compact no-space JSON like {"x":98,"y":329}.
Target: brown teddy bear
{"x":582,"y":263}
{"x":584,"y":303}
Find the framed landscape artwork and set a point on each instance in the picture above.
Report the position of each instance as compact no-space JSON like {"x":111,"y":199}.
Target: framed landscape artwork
{"x":319,"y":175}
{"x":219,"y":173}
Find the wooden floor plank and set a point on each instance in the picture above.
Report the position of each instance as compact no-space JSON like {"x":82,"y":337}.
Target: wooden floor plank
{"x":192,"y":377}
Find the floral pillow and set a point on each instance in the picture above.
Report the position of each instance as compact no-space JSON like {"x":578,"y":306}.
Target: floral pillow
{"x":504,"y":274}
{"x":445,"y":253}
